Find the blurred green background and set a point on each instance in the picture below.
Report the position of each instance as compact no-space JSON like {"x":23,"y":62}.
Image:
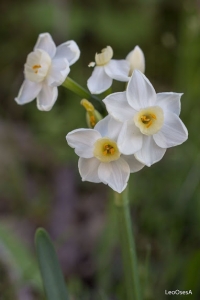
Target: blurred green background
{"x":39,"y":180}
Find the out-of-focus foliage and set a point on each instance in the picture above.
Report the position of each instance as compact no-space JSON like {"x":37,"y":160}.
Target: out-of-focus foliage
{"x":39,"y":181}
{"x":18,"y":260}
{"x":52,"y":277}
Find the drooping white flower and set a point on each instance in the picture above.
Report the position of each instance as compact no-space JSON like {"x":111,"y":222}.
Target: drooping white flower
{"x":106,"y":70}
{"x":46,"y":68}
{"x":100,"y":158}
{"x":151,"y":121}
{"x":136,"y":59}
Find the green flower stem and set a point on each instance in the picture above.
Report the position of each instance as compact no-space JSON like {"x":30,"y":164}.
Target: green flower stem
{"x":83,"y":93}
{"x":127,"y":246}
{"x":106,"y":93}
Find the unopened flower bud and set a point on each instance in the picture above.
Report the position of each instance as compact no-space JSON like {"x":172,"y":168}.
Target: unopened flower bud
{"x":136,"y":60}
{"x":92,"y":115}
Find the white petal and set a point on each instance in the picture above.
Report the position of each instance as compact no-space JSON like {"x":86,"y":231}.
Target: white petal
{"x":69,"y":51}
{"x":47,"y":97}
{"x":172,"y":133}
{"x":169,"y":101}
{"x":28,"y":91}
{"x":109,"y":127}
{"x":150,"y":152}
{"x":117,"y":105}
{"x":88,"y":168}
{"x":46,"y":43}
{"x":83,"y":140}
{"x":99,"y":81}
{"x":58,"y":72}
{"x":115,"y":174}
{"x":118,"y":69}
{"x":133,"y":163}
{"x":130,"y":138}
{"x":140,"y":92}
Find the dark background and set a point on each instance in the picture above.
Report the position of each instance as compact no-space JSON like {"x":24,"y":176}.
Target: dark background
{"x":39,"y":180}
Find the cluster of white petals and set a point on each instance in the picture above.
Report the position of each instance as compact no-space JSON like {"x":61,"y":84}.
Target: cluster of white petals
{"x":100,"y":157}
{"x":151,"y":122}
{"x":46,"y":68}
{"x":140,"y":126}
{"x":106,"y":70}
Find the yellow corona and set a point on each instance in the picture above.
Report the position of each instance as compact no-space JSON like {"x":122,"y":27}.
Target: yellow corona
{"x":106,"y":150}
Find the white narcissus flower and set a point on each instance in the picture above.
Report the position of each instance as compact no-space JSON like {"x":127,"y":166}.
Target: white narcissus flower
{"x":151,"y":121}
{"x":46,"y":68}
{"x":100,"y":158}
{"x":136,"y":60}
{"x":106,"y":70}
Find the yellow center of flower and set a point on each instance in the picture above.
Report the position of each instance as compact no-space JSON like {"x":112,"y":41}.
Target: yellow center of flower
{"x":149,"y":120}
{"x":35,"y":68}
{"x":104,"y":57}
{"x":106,"y":150}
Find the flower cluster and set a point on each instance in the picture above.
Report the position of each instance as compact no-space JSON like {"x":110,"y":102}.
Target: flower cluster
{"x":140,"y":124}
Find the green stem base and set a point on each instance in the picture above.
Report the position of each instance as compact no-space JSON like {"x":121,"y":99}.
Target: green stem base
{"x":127,"y":244}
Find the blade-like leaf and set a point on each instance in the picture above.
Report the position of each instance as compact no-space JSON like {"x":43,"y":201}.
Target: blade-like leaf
{"x":52,"y":276}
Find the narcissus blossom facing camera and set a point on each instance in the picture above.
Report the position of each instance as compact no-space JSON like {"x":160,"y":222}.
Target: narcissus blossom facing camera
{"x":136,"y":60}
{"x":106,"y":70}
{"x":46,"y":68}
{"x":100,"y":157}
{"x":151,"y":122}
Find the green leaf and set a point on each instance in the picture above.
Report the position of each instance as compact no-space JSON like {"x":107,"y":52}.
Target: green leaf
{"x":52,"y":276}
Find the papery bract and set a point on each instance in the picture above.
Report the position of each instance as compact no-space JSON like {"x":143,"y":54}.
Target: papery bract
{"x":92,"y":115}
{"x":100,"y":158}
{"x":46,"y":68}
{"x":151,"y":122}
{"x":106,"y":70}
